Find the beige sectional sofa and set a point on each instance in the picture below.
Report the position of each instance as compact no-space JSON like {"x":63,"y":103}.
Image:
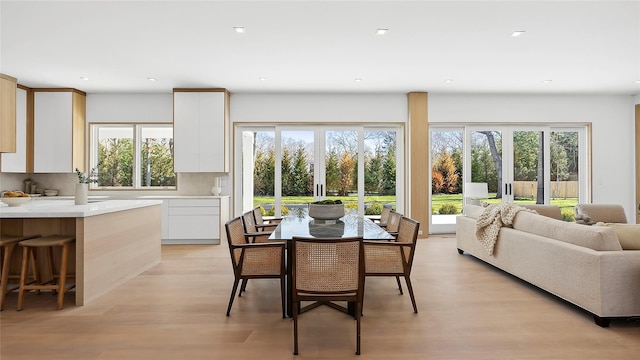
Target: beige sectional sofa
{"x":584,"y":265}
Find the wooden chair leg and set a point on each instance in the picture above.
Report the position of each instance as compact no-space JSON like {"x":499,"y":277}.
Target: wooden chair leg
{"x":295,"y":327}
{"x":399,"y":285}
{"x":23,"y":274}
{"x":63,"y":275}
{"x":413,"y":299}
{"x":233,"y":294}
{"x":282,"y":297}
{"x":358,"y":328}
{"x":243,"y":288}
{"x":6,"y":262}
{"x":34,"y":268}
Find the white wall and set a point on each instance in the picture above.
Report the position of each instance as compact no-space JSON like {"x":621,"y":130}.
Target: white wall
{"x":318,"y":108}
{"x":136,"y":108}
{"x":612,"y":119}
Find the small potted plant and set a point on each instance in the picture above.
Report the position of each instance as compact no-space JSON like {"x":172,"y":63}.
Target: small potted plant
{"x":82,"y":187}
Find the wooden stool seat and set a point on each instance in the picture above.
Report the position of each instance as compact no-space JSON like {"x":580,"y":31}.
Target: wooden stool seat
{"x":49,"y":242}
{"x":7,"y":244}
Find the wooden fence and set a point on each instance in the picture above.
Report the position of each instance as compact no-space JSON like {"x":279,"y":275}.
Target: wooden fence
{"x":559,"y":189}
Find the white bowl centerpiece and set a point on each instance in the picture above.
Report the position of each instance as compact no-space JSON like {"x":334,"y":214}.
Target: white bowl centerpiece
{"x":326,"y":210}
{"x":15,"y":198}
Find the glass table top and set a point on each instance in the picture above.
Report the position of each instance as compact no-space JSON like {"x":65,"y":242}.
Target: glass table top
{"x":350,"y":225}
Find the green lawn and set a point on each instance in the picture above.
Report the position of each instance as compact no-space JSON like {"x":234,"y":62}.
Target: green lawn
{"x":566,"y":205}
{"x":289,"y":200}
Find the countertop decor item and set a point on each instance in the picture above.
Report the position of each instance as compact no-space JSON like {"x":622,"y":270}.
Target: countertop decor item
{"x":15,"y":201}
{"x":216,"y":189}
{"x":82,"y":188}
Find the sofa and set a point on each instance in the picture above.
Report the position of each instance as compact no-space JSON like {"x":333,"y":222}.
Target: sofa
{"x":584,"y":265}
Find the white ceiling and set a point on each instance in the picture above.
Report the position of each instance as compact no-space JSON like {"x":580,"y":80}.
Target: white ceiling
{"x":323,"y":46}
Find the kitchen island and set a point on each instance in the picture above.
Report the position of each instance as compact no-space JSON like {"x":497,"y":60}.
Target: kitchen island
{"x":116,"y":240}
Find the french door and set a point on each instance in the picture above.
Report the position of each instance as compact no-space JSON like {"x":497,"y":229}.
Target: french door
{"x":286,"y":167}
{"x":536,"y":164}
{"x":520,"y":162}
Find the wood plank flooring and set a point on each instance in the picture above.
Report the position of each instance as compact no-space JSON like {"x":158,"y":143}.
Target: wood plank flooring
{"x":176,"y":310}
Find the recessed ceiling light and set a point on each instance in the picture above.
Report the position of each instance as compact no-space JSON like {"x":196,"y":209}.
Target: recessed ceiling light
{"x":546,"y":81}
{"x":262,"y":78}
{"x":84,"y":78}
{"x":448,"y":80}
{"x":517,"y":33}
{"x":152,"y":79}
{"x":239,"y":29}
{"x":637,"y":82}
{"x":381,"y":31}
{"x":357,"y":79}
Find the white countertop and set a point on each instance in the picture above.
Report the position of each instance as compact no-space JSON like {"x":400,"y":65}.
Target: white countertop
{"x":42,"y":208}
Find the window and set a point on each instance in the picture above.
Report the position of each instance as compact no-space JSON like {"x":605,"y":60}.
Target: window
{"x":133,"y":156}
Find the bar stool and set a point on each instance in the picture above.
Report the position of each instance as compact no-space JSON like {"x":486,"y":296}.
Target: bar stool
{"x":7,"y":244}
{"x":48,"y":242}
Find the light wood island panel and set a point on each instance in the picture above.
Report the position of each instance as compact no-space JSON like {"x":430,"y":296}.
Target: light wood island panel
{"x":110,"y":248}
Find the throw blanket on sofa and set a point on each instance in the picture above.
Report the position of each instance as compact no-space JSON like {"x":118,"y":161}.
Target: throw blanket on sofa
{"x":492,"y":219}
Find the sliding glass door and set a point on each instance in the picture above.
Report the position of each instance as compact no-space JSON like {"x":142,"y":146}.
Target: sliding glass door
{"x":519,"y":164}
{"x":286,"y":167}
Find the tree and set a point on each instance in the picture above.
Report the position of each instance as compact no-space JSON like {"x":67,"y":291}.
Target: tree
{"x":497,"y":160}
{"x":447,"y":169}
{"x":299,"y":181}
{"x":287,"y":179}
{"x":389,"y":172}
{"x":115,"y":159}
{"x":437,"y":183}
{"x":332,"y":171}
{"x":373,"y":173}
{"x":346,"y":166}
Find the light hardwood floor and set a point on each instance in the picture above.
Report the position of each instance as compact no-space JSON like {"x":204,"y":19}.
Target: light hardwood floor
{"x":468,"y":310}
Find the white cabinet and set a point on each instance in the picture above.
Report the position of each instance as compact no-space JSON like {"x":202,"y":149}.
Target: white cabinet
{"x":201,"y":130}
{"x":194,"y":220}
{"x":59,"y":130}
{"x":17,"y":162}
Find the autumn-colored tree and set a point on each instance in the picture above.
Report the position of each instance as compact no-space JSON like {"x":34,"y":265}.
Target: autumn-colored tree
{"x":446,"y":167}
{"x":436,"y":181}
{"x":346,"y":166}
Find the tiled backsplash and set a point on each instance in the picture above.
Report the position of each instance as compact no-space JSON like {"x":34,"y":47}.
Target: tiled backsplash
{"x":188,"y":184}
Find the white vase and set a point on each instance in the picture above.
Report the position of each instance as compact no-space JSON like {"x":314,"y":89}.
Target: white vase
{"x":81,"y":194}
{"x":216,"y":189}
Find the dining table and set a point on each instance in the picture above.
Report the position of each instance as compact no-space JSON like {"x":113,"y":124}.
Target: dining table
{"x":299,"y":224}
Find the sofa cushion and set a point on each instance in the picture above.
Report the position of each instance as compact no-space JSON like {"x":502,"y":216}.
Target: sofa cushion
{"x":601,"y":238}
{"x":628,"y":234}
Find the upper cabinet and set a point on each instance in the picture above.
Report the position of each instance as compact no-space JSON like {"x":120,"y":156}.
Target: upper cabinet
{"x":17,"y":162}
{"x":8,"y":86}
{"x":201,"y":130}
{"x":59,"y":130}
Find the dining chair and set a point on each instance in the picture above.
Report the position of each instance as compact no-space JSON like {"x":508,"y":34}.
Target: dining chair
{"x":384,"y":217}
{"x":254,"y":260}
{"x":326,"y":270}
{"x":271,"y":222}
{"x":394,"y":258}
{"x":254,"y":233}
{"x":393,"y":223}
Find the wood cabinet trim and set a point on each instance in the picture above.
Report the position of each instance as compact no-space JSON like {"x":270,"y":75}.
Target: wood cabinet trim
{"x":60,"y":90}
{"x":7,"y":77}
{"x":201,"y":90}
